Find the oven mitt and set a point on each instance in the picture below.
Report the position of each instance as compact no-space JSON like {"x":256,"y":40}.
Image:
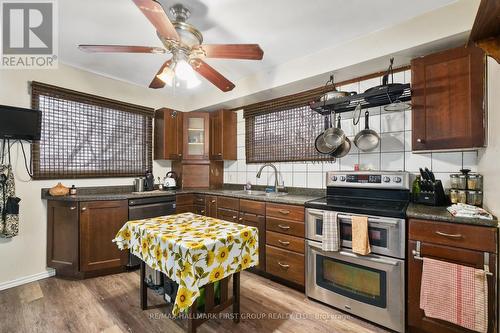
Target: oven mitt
{"x":11,"y":213}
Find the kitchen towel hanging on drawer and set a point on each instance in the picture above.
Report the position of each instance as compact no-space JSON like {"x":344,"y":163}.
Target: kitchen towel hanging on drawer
{"x":9,"y":203}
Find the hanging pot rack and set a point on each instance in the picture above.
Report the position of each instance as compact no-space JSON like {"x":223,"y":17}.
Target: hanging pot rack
{"x":377,"y":96}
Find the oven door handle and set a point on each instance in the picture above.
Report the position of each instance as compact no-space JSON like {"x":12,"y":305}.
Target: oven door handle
{"x":370,"y":219}
{"x":353,"y":255}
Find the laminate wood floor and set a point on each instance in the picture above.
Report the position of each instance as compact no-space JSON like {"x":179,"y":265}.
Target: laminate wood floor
{"x":110,"y":304}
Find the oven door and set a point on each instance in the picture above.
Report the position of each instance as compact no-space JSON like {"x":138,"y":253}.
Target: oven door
{"x":387,"y":235}
{"x":371,"y":286}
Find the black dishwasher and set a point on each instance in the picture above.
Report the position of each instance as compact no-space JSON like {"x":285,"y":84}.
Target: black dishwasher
{"x":144,"y":208}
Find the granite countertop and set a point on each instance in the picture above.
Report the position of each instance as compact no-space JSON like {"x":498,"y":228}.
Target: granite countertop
{"x":439,"y":213}
{"x":295,"y":196}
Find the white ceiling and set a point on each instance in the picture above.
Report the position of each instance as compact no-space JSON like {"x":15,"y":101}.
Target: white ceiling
{"x":285,"y":29}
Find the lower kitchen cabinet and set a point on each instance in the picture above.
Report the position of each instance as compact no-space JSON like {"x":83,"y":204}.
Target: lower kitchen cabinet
{"x":461,"y":244}
{"x":80,"y":234}
{"x":211,"y":206}
{"x":252,"y":214}
{"x":184,"y":203}
{"x":285,"y":246}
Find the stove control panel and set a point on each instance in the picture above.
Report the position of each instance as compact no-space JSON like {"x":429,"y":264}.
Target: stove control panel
{"x":369,"y":179}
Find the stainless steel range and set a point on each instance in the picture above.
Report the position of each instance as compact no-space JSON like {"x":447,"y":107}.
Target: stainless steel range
{"x":370,"y":286}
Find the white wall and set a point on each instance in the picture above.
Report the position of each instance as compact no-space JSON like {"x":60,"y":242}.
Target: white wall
{"x":394,"y":152}
{"x":24,"y":255}
{"x":489,"y":159}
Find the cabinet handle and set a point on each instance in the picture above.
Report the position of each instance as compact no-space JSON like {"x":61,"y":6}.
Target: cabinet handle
{"x":448,"y":235}
{"x":213,"y":201}
{"x":202,"y":211}
{"x":420,"y":140}
{"x":284,"y":227}
{"x":220,"y":154}
{"x":284,"y":243}
{"x":180,"y":155}
{"x":235,"y":217}
{"x":84,"y":209}
{"x":285,"y":266}
{"x":72,"y":208}
{"x":240,"y":219}
{"x":284,"y":211}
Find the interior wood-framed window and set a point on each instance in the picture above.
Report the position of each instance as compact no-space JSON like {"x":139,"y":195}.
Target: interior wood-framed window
{"x":284,"y":129}
{"x":87,"y":136}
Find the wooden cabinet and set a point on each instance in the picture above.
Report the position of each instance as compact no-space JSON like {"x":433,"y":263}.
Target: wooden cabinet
{"x":79,"y":237}
{"x":461,"y":244}
{"x":199,"y":204}
{"x":184,"y":203}
{"x":199,"y":173}
{"x":99,"y":223}
{"x":168,"y":135}
{"x":211,"y":205}
{"x":285,"y":232}
{"x":252,"y":213}
{"x":196,"y":136}
{"x":223,"y":135}
{"x":448,"y":100}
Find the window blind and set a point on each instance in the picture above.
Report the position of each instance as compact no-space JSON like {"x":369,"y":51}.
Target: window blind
{"x":86,"y":136}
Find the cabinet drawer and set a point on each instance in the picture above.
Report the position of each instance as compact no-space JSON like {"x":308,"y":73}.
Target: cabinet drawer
{"x":227,"y":215}
{"x":184,"y":199}
{"x":228,"y":203}
{"x":457,"y":235}
{"x":289,"y":212}
{"x":179,"y":209}
{"x":285,"y":226}
{"x":254,"y":207}
{"x":285,"y":264}
{"x":199,"y":199}
{"x":286,"y":242}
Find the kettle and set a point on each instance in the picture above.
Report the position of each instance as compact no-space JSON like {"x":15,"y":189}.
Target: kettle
{"x":170,"y":182}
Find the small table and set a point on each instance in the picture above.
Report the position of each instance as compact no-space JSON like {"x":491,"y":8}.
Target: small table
{"x":194,"y":251}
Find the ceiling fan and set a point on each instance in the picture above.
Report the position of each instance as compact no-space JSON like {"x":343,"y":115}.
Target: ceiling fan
{"x":185,"y":43}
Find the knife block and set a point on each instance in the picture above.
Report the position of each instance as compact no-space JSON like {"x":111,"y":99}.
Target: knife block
{"x":433,"y":195}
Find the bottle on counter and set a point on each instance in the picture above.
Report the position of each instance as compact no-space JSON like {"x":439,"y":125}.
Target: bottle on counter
{"x":415,"y":188}
{"x":72,"y":190}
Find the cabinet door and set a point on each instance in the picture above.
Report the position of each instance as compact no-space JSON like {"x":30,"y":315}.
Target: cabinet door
{"x":62,"y":237}
{"x":211,"y":204}
{"x":417,"y":321}
{"x":448,"y":99}
{"x":259,"y":222}
{"x":196,"y":139}
{"x":99,"y":223}
{"x":168,"y":135}
{"x":223,"y":135}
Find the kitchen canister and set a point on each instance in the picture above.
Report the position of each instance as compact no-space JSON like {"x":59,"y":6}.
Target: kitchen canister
{"x":475,"y":182}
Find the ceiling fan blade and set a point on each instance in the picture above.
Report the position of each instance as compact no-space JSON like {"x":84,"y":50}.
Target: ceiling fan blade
{"x":212,"y":75}
{"x":156,"y":15}
{"x":121,"y":48}
{"x":157,"y":83}
{"x":233,"y":51}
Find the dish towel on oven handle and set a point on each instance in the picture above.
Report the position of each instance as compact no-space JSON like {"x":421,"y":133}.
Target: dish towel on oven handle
{"x":9,"y":203}
{"x":331,"y":234}
{"x":455,"y":293}
{"x":360,"y":238}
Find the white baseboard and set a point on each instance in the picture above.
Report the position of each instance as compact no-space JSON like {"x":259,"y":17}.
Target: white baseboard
{"x":27,"y":279}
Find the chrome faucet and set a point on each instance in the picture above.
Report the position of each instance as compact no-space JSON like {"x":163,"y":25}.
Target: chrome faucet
{"x":276,"y":182}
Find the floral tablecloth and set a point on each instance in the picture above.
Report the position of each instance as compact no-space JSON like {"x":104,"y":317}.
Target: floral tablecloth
{"x":192,"y":250}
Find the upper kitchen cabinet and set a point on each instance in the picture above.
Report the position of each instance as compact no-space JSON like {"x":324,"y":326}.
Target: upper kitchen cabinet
{"x":168,"y":135}
{"x":196,"y":134}
{"x":448,"y":91}
{"x":223,"y":135}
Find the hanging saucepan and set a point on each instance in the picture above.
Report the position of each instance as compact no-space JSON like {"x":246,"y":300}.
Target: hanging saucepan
{"x":320,"y":143}
{"x":344,"y":148}
{"x":333,"y":136}
{"x":367,"y":139}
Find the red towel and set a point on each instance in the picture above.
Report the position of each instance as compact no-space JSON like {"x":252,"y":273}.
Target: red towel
{"x":455,"y":293}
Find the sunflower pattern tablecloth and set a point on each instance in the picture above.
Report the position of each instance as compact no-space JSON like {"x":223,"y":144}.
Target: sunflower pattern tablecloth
{"x":192,"y":250}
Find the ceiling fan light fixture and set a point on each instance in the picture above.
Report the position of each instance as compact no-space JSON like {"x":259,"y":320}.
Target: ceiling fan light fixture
{"x":167,"y":76}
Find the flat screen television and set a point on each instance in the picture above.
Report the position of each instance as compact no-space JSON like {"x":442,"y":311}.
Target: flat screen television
{"x":20,"y":123}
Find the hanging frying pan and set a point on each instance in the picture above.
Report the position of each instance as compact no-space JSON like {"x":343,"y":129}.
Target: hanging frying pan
{"x":344,"y":148}
{"x":367,"y":139}
{"x":320,"y":143}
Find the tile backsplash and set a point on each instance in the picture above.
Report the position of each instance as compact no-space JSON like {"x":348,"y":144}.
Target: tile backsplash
{"x":394,"y":152}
